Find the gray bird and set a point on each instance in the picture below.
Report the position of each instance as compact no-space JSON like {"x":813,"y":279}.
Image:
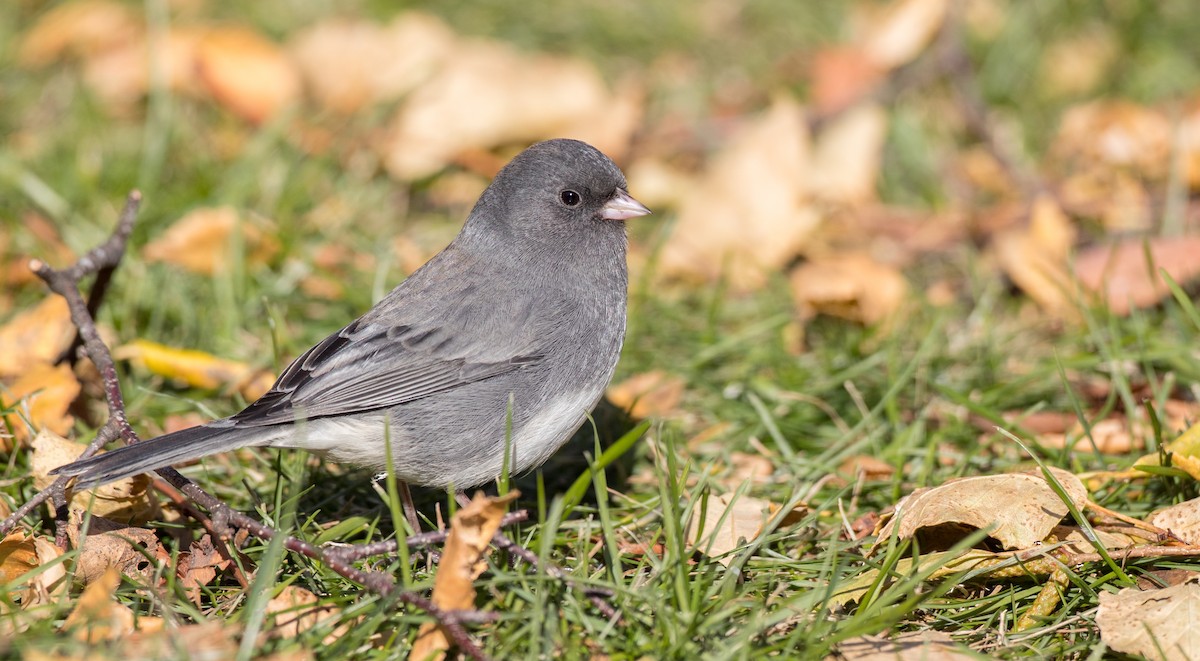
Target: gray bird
{"x":524,"y":312}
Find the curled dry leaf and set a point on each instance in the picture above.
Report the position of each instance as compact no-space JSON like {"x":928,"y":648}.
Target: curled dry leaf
{"x":247,"y":73}
{"x":47,"y":391}
{"x":35,"y":337}
{"x":196,"y":369}
{"x":850,"y":286}
{"x":1156,"y":624}
{"x":109,"y":544}
{"x":463,"y":560}
{"x":1182,"y":519}
{"x":728,"y":521}
{"x":350,"y":64}
{"x":21,"y":554}
{"x":202,"y":241}
{"x":1035,"y":257}
{"x":749,"y":213}
{"x":198,"y":566}
{"x":83,"y":27}
{"x":127,"y":501}
{"x":1020,"y":509}
{"x":488,"y":94}
{"x":653,"y":394}
{"x":1128,"y":274}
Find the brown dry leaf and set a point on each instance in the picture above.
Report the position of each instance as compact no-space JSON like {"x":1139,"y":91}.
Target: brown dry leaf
{"x":248,"y":74}
{"x":659,"y":185}
{"x":1182,"y":519}
{"x":47,"y":392}
{"x":867,"y":466}
{"x":1157,"y":624}
{"x":748,"y":468}
{"x":909,"y":646}
{"x":851,"y":286}
{"x":1020,"y":509}
{"x":20,"y":555}
{"x":730,"y":521}
{"x":488,"y":94}
{"x":463,"y":560}
{"x":1114,"y":435}
{"x":195,"y":369}
{"x":85,"y":27}
{"x":1035,"y":258}
{"x":295,"y":611}
{"x":1126,"y":275}
{"x":1115,"y":134}
{"x":653,"y":394}
{"x":129,"y":500}
{"x":36,"y":336}
{"x":898,"y":33}
{"x":121,"y":76}
{"x":841,"y":76}
{"x":202,"y":241}
{"x":749,"y":213}
{"x":97,"y":616}
{"x":1075,"y":540}
{"x":112,"y":544}
{"x":847,"y":155}
{"x":199,"y":565}
{"x":206,"y":640}
{"x":350,"y":64}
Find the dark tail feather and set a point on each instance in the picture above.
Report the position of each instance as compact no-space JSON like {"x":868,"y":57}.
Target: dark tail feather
{"x":173,"y":448}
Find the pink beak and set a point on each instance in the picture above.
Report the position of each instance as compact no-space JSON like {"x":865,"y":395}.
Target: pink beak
{"x":623,"y":207}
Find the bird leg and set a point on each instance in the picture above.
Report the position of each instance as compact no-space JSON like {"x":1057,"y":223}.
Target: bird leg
{"x":410,"y":510}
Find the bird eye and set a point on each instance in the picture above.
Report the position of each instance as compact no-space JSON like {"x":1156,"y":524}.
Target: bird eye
{"x":570,"y":198}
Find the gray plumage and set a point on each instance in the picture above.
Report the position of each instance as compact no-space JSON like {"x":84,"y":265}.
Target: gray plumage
{"x":527,"y":302}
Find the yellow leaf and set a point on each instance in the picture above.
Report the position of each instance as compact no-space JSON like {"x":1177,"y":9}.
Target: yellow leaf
{"x":47,"y":392}
{"x":196,"y":369}
{"x":35,"y":336}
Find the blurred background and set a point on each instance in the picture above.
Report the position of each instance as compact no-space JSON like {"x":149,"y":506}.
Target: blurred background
{"x":881,"y":228}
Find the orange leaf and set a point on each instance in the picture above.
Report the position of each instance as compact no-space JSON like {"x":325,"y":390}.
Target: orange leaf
{"x":48,"y":392}
{"x":1127,"y":274}
{"x":35,"y":337}
{"x":203,"y":239}
{"x":246,"y":73}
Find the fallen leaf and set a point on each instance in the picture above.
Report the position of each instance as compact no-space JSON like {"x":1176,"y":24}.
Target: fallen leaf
{"x":868,"y":467}
{"x":83,"y":27}
{"x":901,"y":30}
{"x":851,"y":286}
{"x":1114,"y":435}
{"x":841,"y":76}
{"x":1079,"y":63}
{"x":1157,"y":624}
{"x":846,"y":156}
{"x":659,"y":185}
{"x":1127,"y":274}
{"x":1035,"y":258}
{"x":109,"y":544}
{"x":35,"y":337}
{"x":726,"y":522}
{"x":925,"y":645}
{"x":463,"y":560}
{"x":121,"y":76}
{"x":487,"y":95}
{"x":653,"y":394}
{"x":295,"y":611}
{"x":43,"y":395}
{"x":20,"y":555}
{"x":941,"y":564}
{"x":127,"y":501}
{"x":198,"y":566}
{"x":748,"y":468}
{"x":350,"y":64}
{"x":195,"y":369}
{"x":248,"y":74}
{"x":1118,"y":199}
{"x":203,"y":241}
{"x":206,"y":640}
{"x":1182,"y":519}
{"x":749,"y":214}
{"x":97,"y":617}
{"x":1019,"y":509}
{"x":1115,"y":134}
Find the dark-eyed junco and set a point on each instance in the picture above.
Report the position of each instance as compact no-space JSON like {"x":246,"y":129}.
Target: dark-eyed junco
{"x":522,"y":315}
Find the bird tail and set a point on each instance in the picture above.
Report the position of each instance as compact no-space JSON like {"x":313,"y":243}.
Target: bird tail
{"x":173,"y":448}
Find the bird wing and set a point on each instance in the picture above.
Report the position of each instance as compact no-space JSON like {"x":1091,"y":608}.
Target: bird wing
{"x":370,"y":366}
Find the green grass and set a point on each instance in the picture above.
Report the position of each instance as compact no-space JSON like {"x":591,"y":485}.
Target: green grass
{"x":988,"y":353}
